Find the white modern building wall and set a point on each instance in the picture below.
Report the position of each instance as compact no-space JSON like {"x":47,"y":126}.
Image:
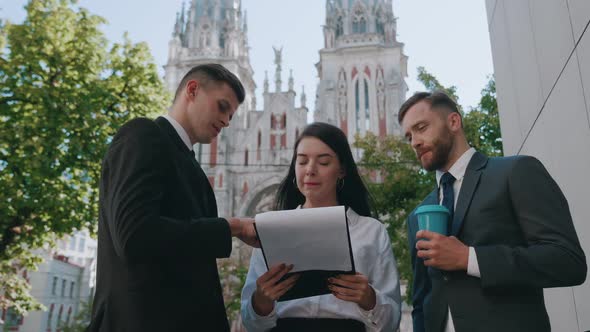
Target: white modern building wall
{"x":63,"y":281}
{"x":541,"y":53}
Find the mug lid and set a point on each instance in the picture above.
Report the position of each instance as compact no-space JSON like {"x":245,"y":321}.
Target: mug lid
{"x":431,"y":208}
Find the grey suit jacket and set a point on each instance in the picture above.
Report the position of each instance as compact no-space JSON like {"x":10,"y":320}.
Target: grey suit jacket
{"x":518,"y":220}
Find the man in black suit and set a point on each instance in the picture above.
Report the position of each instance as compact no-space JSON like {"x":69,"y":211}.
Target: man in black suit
{"x":510,"y":233}
{"x":159,"y":235}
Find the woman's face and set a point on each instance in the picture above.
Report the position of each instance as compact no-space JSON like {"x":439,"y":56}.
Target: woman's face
{"x":317,"y":170}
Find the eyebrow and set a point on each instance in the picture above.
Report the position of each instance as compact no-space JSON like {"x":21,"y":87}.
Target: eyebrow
{"x":319,"y":156}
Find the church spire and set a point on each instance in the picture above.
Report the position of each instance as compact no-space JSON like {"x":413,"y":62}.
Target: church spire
{"x":291,"y":83}
{"x":278,"y":61}
{"x":303,"y":97}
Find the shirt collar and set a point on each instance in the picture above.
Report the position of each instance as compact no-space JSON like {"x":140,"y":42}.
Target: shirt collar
{"x":180,"y":130}
{"x":459,"y":167}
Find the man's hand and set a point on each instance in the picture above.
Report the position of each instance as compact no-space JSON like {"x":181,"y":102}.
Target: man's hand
{"x":442,"y":252}
{"x":243,"y":229}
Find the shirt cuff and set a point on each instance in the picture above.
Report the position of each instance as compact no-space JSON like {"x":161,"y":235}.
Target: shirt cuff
{"x":253,"y":314}
{"x":371,"y":316}
{"x":472,"y":265}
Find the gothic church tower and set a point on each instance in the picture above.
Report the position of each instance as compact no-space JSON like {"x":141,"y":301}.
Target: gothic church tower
{"x":362,"y":68}
{"x":247,"y":161}
{"x":211,"y":31}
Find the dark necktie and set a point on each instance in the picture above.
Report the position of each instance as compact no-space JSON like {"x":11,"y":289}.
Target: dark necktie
{"x":448,"y":201}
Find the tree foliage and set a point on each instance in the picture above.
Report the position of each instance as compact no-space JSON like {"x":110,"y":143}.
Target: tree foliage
{"x":63,"y":92}
{"x":482,"y":123}
{"x":404,"y":185}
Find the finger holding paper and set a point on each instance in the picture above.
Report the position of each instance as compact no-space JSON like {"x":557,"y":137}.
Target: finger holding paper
{"x":269,"y":288}
{"x":354,"y":288}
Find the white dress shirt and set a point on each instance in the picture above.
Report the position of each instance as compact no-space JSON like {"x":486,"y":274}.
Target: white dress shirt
{"x":180,"y":130}
{"x":373,"y":257}
{"x":458,"y":171}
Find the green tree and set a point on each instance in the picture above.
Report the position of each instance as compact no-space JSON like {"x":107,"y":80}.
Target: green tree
{"x":482,"y":123}
{"x":404,"y":185}
{"x":63,"y":93}
{"x":431,"y":84}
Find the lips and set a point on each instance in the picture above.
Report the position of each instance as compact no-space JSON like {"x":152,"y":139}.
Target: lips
{"x":421,"y":153}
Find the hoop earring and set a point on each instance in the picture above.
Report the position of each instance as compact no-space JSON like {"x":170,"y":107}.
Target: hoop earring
{"x":340,"y":183}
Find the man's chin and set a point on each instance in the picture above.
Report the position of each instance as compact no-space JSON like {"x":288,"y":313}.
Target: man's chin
{"x":428,"y":166}
{"x":206,"y":140}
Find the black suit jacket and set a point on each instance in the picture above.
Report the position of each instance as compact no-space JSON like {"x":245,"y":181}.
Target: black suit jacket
{"x":517,"y":219}
{"x":158,"y":237}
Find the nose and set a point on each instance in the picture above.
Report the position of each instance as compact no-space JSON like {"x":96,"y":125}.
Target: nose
{"x":416,"y":142}
{"x":225,"y":121}
{"x":311,"y":168}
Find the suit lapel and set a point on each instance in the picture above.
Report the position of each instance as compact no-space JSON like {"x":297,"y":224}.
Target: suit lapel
{"x":209,"y":204}
{"x":470,"y":182}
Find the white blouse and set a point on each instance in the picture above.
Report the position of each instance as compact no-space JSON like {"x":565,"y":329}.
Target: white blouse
{"x":373,"y":257}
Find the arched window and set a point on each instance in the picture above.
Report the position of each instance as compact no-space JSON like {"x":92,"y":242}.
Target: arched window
{"x":362,"y":25}
{"x":357,"y":106}
{"x":61,"y":309}
{"x":379,"y":27}
{"x":367,"y":110}
{"x":359,"y":20}
{"x":222,"y":39}
{"x":339,"y":27}
{"x":259,"y":142}
{"x":50,"y":316}
{"x":259,"y":139}
{"x":361,"y":104}
{"x":68,"y":317}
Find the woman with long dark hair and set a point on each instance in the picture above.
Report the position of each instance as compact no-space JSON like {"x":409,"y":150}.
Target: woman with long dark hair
{"x":323,"y":173}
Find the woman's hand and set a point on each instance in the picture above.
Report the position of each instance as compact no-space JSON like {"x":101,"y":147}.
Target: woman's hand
{"x":353,"y":288}
{"x":269,"y":289}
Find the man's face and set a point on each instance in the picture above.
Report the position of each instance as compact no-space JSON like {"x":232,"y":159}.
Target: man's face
{"x":210,"y":109}
{"x":429,"y":134}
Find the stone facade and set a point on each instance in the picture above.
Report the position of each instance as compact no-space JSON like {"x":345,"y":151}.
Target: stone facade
{"x":362,"y":69}
{"x":247,"y":161}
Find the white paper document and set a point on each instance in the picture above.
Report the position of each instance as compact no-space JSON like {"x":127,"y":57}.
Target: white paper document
{"x":310,"y":239}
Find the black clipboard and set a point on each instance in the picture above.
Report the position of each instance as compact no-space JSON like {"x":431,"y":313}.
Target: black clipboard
{"x":312,"y":282}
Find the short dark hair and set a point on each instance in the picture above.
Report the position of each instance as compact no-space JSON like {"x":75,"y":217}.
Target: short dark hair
{"x":212,"y":72}
{"x":437,"y":100}
{"x":353,"y":194}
